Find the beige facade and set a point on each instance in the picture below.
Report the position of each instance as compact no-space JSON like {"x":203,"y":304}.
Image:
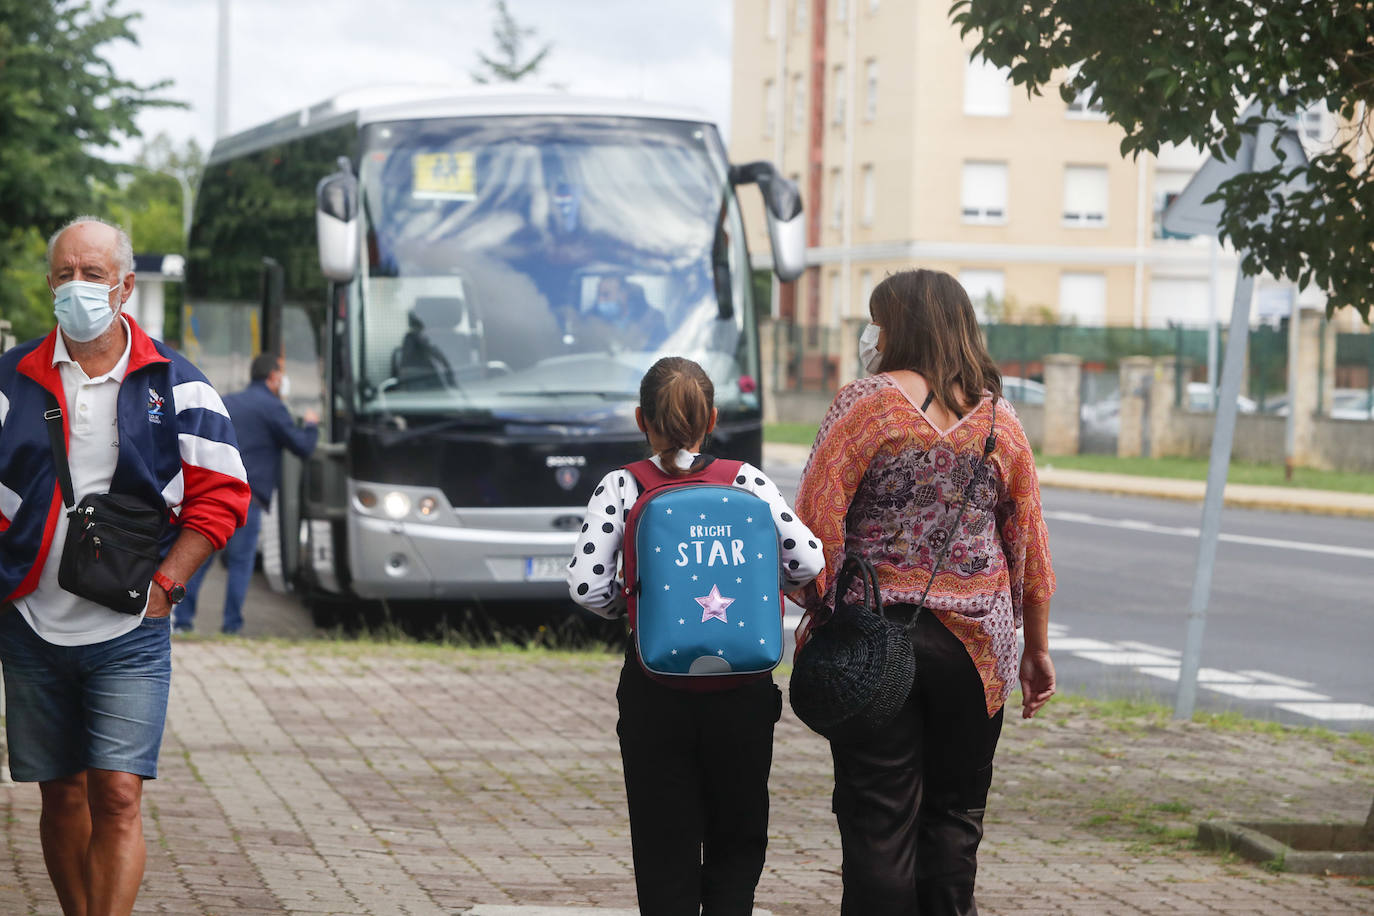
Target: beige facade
{"x":923,"y":159}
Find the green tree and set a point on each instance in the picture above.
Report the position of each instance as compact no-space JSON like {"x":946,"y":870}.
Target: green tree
{"x":509,"y":65}
{"x":1183,"y":71}
{"x":60,"y":103}
{"x":149,"y":199}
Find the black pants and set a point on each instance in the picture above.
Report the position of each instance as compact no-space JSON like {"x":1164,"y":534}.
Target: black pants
{"x":696,"y":777}
{"x":910,"y":801}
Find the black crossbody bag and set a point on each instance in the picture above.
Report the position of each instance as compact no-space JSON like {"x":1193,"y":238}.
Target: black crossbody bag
{"x":114,"y":541}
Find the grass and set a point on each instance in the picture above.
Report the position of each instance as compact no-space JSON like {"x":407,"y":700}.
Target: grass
{"x":1135,"y":714}
{"x":1196,"y":469}
{"x":790,"y":433}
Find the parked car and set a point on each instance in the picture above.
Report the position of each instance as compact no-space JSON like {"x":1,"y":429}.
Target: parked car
{"x":1022,"y":390}
{"x":1352,"y":404}
{"x":1198,"y":396}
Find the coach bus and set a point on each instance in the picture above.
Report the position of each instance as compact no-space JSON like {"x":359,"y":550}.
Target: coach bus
{"x":469,"y":287}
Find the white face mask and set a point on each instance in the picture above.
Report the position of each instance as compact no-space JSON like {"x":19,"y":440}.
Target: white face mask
{"x":284,"y":387}
{"x":870,"y":357}
{"x":83,"y":309}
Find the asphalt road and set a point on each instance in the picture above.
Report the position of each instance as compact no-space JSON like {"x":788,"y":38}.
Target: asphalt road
{"x":1290,"y":620}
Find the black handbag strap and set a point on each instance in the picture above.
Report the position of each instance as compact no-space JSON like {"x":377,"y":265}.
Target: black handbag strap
{"x":53,"y":416}
{"x":988,"y":445}
{"x":855,"y":565}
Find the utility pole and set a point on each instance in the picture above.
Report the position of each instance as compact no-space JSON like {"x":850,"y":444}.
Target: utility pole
{"x":222,"y":73}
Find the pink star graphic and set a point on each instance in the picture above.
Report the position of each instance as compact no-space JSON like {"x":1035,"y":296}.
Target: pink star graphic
{"x":713,"y":605}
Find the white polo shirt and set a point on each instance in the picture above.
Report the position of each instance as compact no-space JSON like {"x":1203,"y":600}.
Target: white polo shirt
{"x":92,"y":406}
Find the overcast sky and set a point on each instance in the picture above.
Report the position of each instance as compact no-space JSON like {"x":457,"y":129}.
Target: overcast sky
{"x":286,"y":54}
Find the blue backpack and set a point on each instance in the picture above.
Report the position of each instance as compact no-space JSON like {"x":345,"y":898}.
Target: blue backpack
{"x":701,"y":577}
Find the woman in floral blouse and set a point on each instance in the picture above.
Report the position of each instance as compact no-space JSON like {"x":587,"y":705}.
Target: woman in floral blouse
{"x":885,"y":479}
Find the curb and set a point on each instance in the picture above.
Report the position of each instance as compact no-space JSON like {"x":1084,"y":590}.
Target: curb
{"x":1309,"y":849}
{"x":1240,"y":496}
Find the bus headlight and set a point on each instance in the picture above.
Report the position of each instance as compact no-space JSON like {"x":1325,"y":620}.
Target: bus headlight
{"x":367,"y":499}
{"x":396,"y":504}
{"x":427,"y":507}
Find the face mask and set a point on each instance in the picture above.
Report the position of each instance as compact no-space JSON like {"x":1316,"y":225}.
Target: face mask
{"x":608,"y":308}
{"x":869,"y":355}
{"x":83,"y":309}
{"x":284,"y":387}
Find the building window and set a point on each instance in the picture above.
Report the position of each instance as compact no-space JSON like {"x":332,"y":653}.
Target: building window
{"x":872,"y":6}
{"x":799,"y":15}
{"x":839,"y":95}
{"x":865,"y":289}
{"x":798,"y":102}
{"x":870,"y":90}
{"x":1083,"y":299}
{"x":1312,"y":123}
{"x":870,"y":194}
{"x":987,"y":290}
{"x":770,"y":107}
{"x":1179,"y":300}
{"x":841,"y":10}
{"x":774,"y":11}
{"x":1084,"y":106}
{"x":983,"y":192}
{"x":1085,"y":195}
{"x":838,"y":307}
{"x":836,"y":198}
{"x":987,"y":90}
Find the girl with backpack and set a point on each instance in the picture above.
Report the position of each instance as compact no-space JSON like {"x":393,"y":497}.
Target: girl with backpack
{"x":696,"y":760}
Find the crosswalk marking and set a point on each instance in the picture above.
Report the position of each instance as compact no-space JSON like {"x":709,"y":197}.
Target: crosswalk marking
{"x":1286,"y":693}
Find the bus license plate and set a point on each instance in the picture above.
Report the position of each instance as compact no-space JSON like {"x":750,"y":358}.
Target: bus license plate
{"x":544,"y":569}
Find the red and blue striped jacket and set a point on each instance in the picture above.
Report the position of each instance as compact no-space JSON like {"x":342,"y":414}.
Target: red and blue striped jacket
{"x":176,"y":445}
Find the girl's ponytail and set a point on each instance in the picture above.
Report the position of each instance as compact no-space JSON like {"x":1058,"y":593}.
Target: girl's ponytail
{"x":676,"y":396}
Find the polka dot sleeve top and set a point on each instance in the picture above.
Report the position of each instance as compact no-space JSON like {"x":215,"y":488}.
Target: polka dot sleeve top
{"x":594,"y":575}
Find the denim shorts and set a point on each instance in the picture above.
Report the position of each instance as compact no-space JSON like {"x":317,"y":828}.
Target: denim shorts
{"x":73,"y":708}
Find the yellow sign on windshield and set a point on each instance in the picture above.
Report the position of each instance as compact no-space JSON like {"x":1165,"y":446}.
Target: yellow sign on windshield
{"x":444,"y":176}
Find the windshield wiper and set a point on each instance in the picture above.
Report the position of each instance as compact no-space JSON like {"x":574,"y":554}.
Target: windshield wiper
{"x":559,"y":393}
{"x":484,"y":419}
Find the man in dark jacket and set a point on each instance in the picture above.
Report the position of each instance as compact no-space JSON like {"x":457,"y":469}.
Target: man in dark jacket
{"x":264,"y":427}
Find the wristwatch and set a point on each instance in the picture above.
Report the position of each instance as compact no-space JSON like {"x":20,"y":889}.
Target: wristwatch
{"x":174,"y":589}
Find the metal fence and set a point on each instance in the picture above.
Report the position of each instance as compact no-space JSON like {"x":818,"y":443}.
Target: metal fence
{"x":810,"y":358}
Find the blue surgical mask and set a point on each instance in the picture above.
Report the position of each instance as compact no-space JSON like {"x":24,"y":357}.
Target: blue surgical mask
{"x":608,"y":308}
{"x":870,"y":357}
{"x":83,"y":309}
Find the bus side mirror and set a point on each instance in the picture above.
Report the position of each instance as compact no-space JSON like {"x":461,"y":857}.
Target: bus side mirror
{"x":336,"y":223}
{"x":783,"y":205}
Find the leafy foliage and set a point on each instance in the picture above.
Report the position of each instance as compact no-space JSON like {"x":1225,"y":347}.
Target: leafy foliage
{"x":508,"y":66}
{"x":60,"y":102}
{"x":1177,"y":72}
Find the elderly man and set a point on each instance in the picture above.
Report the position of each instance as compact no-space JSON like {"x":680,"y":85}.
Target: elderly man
{"x":86,"y":686}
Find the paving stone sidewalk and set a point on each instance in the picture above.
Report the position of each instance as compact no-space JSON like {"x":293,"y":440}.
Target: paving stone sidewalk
{"x":333,"y":778}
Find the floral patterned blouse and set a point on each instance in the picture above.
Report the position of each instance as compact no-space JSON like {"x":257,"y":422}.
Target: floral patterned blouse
{"x":885,"y":482}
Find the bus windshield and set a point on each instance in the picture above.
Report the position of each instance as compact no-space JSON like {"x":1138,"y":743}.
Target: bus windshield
{"x":528,"y":264}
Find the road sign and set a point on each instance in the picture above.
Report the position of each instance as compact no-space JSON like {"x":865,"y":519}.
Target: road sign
{"x":1189,"y":213}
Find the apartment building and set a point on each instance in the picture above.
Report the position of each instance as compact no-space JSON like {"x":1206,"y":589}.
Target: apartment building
{"x":909,"y":153}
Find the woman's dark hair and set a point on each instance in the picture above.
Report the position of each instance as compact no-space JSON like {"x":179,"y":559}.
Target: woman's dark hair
{"x":929,"y":327}
{"x":676,"y":396}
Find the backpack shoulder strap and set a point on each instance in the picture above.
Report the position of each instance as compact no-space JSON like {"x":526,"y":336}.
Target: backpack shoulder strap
{"x":712,"y":470}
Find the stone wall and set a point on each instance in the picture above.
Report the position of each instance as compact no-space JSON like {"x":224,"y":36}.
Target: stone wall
{"x":1346,"y":445}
